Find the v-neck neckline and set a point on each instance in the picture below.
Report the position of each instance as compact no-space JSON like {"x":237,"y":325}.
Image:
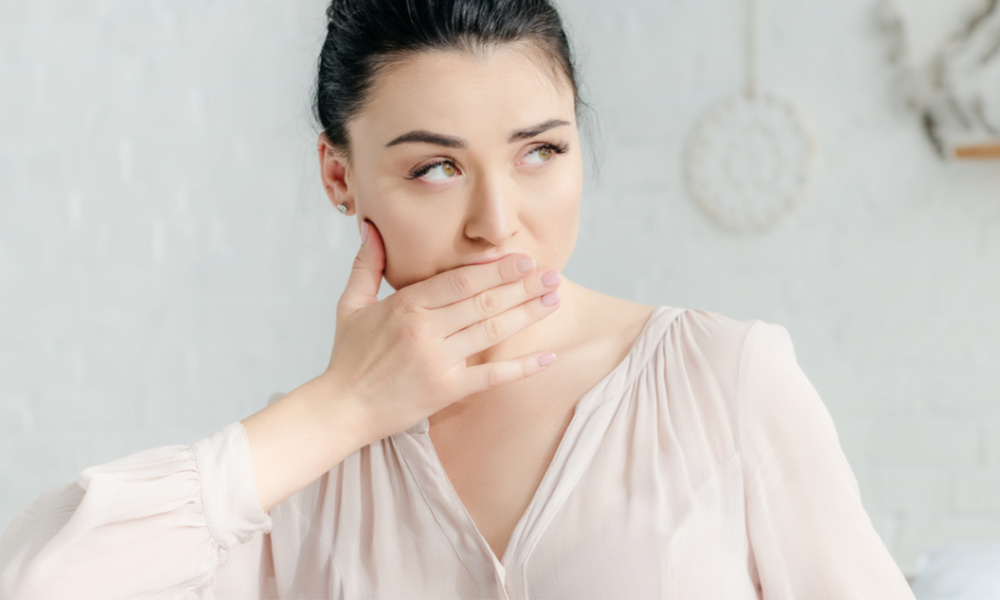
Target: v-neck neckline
{"x":567,"y":465}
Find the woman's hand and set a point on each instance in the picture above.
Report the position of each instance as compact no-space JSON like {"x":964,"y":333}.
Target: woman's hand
{"x":402,"y":359}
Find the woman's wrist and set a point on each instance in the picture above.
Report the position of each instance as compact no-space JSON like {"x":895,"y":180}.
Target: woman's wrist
{"x":300,"y":437}
{"x":337,"y":411}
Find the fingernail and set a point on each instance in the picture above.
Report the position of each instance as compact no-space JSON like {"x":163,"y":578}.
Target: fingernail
{"x":364,"y":232}
{"x":546,"y":359}
{"x":550,"y":298}
{"x":551,"y":279}
{"x":526,"y":264}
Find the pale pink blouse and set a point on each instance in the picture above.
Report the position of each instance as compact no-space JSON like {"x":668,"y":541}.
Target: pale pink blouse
{"x":704,"y":465}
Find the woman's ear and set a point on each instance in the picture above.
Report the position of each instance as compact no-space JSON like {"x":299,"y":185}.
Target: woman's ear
{"x":334,"y":172}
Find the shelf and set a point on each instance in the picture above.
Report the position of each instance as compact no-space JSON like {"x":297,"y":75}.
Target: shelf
{"x":977,"y":151}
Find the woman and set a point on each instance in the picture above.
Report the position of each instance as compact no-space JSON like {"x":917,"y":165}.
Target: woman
{"x":444,"y":452}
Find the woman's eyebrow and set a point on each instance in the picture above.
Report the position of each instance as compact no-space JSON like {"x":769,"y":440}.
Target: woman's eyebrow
{"x":423,"y":136}
{"x":530,"y":132}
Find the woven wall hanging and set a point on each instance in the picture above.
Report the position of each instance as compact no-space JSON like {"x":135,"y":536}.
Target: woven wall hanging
{"x":751,"y":156}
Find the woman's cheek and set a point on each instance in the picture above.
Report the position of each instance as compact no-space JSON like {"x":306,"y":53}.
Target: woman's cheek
{"x":558,"y":198}
{"x":407,"y":261}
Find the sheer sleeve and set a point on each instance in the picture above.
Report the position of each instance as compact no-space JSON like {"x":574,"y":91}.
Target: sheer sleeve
{"x":157,"y":524}
{"x":810,"y":536}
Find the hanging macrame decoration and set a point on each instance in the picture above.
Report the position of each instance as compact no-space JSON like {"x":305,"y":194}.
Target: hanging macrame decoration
{"x":752,"y":156}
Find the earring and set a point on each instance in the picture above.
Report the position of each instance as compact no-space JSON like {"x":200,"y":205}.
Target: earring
{"x":342,"y":208}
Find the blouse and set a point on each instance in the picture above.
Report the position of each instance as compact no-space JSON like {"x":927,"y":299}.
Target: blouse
{"x":704,"y":465}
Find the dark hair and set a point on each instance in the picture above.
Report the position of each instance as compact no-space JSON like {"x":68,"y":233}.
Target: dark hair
{"x":366,"y":36}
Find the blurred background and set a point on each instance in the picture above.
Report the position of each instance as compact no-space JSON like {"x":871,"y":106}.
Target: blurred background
{"x":168,"y":259}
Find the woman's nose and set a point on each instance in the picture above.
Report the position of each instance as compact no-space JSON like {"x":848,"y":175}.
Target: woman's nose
{"x":492,"y":213}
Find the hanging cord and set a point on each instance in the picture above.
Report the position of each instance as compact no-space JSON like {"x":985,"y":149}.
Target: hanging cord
{"x":753,"y":31}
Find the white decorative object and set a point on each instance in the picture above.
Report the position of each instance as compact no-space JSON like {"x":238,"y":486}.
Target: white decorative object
{"x":752,"y":156}
{"x":952,"y":81}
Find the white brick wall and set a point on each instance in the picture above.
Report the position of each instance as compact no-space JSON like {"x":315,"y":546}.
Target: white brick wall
{"x":168,"y":260}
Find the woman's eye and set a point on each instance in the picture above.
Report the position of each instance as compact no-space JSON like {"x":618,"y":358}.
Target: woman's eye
{"x":544,"y":153}
{"x":440,"y":171}
{"x":541,"y":154}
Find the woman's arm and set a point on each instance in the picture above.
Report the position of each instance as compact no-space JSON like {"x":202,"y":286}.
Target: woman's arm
{"x":809,"y":533}
{"x":154,"y":524}
{"x":160,"y":522}
{"x":300,"y":437}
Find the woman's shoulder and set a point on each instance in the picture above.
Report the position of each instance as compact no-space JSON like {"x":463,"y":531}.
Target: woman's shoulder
{"x":701,"y":343}
{"x":689,"y":328}
{"x":677,"y":329}
{"x":700,"y":323}
{"x":693,"y":362}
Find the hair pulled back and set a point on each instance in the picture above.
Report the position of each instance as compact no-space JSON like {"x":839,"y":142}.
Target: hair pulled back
{"x":366,"y":36}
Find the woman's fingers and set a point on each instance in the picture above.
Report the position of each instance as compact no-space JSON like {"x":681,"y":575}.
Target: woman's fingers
{"x":488,"y":332}
{"x":492,"y":302}
{"x":494,"y":374}
{"x":464,"y":282}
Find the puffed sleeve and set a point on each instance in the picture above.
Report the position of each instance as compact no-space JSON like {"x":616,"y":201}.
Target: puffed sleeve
{"x":810,"y":536}
{"x":156,"y":524}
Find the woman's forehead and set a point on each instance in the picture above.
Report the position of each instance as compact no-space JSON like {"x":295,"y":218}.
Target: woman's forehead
{"x":467,"y":95}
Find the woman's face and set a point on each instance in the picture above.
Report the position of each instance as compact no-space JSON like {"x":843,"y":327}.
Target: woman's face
{"x":459,"y":159}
